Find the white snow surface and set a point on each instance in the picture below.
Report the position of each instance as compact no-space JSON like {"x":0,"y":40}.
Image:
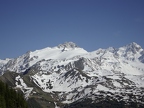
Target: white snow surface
{"x":68,"y":68}
{"x":56,"y":53}
{"x":3,"y":62}
{"x":21,"y":84}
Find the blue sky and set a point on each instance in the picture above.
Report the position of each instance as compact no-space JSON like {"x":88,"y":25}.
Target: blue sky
{"x":28,"y":25}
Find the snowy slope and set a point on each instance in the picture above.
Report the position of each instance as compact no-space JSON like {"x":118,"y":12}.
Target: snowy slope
{"x":2,"y":64}
{"x":63,"y":51}
{"x":76,"y":73}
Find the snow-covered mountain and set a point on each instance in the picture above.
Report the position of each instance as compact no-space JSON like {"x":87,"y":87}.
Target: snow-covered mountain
{"x":68,"y":73}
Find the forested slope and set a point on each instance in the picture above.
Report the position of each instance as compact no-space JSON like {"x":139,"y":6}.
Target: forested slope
{"x":9,"y":98}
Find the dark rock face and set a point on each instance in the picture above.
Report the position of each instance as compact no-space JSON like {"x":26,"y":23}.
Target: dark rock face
{"x":68,"y":45}
{"x":141,"y":58}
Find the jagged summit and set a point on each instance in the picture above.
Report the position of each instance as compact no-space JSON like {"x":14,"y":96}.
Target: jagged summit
{"x":133,"y":47}
{"x":68,"y":45}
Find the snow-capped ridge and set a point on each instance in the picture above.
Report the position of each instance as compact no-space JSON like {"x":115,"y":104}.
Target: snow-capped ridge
{"x":68,"y":45}
{"x":22,"y":63}
{"x":76,"y":73}
{"x":133,"y":47}
{"x":131,"y":51}
{"x":71,"y":52}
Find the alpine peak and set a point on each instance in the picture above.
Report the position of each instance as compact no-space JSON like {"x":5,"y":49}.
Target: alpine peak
{"x":68,"y":45}
{"x":134,"y":47}
{"x":134,"y":44}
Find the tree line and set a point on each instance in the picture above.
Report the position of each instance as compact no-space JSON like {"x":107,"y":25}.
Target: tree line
{"x":9,"y":98}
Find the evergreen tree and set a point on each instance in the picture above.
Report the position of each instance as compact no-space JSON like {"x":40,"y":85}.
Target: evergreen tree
{"x":9,"y":98}
{"x":2,"y":102}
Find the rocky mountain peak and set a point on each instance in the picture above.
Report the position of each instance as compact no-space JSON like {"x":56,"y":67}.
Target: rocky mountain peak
{"x":68,"y":45}
{"x":134,"y":47}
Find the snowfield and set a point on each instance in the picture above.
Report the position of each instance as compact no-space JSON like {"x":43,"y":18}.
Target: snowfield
{"x":76,"y":73}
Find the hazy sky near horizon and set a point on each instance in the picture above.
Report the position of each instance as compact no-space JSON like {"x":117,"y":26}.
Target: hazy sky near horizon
{"x":28,"y":25}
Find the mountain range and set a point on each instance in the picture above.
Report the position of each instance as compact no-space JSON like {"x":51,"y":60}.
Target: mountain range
{"x":67,"y":76}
